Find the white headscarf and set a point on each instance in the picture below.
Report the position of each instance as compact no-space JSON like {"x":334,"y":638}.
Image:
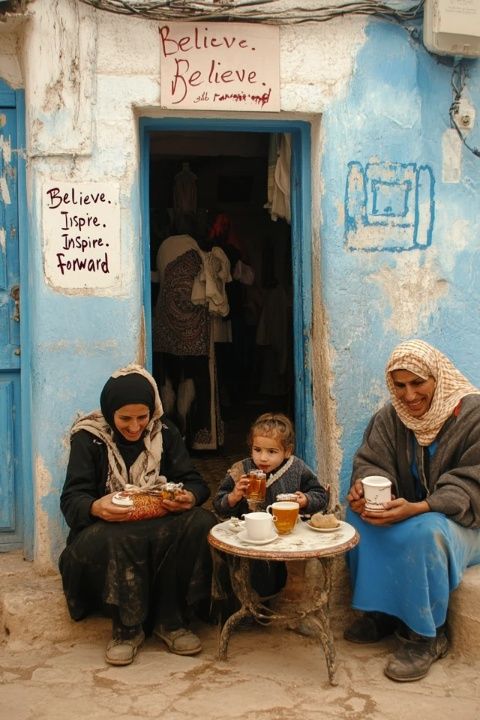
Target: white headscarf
{"x":451,"y":386}
{"x":144,"y":472}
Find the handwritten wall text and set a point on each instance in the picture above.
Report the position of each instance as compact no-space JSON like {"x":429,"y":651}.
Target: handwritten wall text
{"x":232,"y":66}
{"x":81,"y":226}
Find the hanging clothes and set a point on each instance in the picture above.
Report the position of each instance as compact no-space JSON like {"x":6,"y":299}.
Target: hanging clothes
{"x":185,"y":191}
{"x":279,"y":160}
{"x":182,"y":335}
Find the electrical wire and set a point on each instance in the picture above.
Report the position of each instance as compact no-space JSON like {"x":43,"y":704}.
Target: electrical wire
{"x":458,"y":81}
{"x":250,"y":10}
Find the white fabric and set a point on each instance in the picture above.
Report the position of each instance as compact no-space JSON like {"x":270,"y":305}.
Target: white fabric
{"x":171,"y":248}
{"x":144,"y":473}
{"x":279,"y":181}
{"x":451,"y":386}
{"x":209,"y":285}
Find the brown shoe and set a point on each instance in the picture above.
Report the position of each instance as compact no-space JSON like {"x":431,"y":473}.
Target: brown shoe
{"x":122,"y":651}
{"x":415,"y":655}
{"x":180,"y":641}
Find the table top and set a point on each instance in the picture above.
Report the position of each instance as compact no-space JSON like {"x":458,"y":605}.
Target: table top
{"x":300,"y":544}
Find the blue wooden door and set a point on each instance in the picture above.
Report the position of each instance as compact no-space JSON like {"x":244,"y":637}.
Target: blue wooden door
{"x":11,"y":522}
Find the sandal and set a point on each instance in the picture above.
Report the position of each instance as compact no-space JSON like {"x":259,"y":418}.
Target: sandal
{"x":180,"y":641}
{"x":371,"y":628}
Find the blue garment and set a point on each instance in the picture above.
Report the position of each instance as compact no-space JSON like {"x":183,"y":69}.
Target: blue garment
{"x":410,"y":568}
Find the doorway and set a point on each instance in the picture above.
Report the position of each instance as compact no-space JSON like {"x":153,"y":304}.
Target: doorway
{"x":16,"y":516}
{"x":262,"y":364}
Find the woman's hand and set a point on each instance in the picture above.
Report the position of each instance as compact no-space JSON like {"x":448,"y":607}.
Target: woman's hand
{"x":184,"y":500}
{"x":395,"y":511}
{"x":239,"y":491}
{"x":104,"y":509}
{"x":355,"y":497}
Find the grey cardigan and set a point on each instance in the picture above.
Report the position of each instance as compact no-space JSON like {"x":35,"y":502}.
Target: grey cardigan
{"x":451,"y":477}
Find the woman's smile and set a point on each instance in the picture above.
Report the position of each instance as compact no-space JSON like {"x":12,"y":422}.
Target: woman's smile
{"x":414,"y":392}
{"x":131,"y":420}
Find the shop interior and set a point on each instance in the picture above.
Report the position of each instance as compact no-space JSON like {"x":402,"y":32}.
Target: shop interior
{"x":236,"y":187}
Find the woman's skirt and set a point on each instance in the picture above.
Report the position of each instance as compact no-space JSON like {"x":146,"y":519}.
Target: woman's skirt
{"x":149,"y":569}
{"x":409,"y":569}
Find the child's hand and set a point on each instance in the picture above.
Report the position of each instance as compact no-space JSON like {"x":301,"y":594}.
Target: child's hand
{"x":239,"y":491}
{"x":302,"y":499}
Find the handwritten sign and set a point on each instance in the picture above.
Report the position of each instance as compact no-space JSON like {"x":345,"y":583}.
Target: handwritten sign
{"x":81,"y":226}
{"x":221,"y":66}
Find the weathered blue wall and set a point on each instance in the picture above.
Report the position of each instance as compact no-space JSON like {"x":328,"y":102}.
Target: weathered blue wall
{"x":399,"y":245}
{"x":79,"y":342}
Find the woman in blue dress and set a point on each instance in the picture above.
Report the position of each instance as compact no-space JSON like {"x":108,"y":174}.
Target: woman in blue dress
{"x":412,"y":554}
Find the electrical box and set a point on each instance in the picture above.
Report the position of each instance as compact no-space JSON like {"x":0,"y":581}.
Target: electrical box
{"x":452,"y":27}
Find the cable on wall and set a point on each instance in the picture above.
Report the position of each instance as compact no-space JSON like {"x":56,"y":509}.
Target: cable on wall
{"x":458,"y":81}
{"x":251,"y":10}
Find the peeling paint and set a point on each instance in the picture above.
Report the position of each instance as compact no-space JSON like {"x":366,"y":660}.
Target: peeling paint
{"x":4,"y":191}
{"x":44,"y":526}
{"x":6,"y":148}
{"x":3,"y":240}
{"x":413,"y":291}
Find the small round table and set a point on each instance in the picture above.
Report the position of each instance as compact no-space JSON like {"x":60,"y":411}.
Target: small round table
{"x":302,"y":544}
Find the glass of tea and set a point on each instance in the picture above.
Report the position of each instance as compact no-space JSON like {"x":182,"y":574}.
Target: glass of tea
{"x":257,"y":485}
{"x":285,"y":516}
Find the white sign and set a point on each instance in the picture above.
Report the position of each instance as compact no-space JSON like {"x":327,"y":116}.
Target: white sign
{"x":220,"y":66}
{"x":81,"y":228}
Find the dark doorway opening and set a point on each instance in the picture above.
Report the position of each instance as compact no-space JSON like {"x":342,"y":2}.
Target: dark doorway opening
{"x":254,"y":359}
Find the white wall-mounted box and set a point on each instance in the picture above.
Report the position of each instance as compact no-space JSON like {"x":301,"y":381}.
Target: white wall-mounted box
{"x":452,"y":27}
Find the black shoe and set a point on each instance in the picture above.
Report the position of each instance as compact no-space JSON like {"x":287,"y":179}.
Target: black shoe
{"x":371,"y":628}
{"x":415,"y":655}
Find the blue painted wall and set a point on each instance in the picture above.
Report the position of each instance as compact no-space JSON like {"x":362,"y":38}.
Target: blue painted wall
{"x":77,"y":341}
{"x":387,"y":216}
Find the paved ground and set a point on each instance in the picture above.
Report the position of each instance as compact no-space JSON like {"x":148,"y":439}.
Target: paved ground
{"x":270,"y":675}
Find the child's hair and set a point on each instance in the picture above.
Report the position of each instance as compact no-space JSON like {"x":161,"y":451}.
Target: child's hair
{"x":275,"y":425}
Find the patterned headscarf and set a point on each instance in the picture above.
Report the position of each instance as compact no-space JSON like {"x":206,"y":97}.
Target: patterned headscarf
{"x":144,"y":473}
{"x":451,"y":386}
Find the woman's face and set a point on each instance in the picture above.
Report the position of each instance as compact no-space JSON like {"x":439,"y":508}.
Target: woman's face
{"x":415,"y":393}
{"x":131,"y":420}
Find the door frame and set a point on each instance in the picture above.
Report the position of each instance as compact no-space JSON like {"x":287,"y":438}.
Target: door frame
{"x":301,"y":229}
{"x":16,"y":99}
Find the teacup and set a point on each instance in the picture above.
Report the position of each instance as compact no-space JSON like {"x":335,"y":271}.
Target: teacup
{"x":377,"y":490}
{"x":285,"y":515}
{"x":256,"y":485}
{"x":259,"y":525}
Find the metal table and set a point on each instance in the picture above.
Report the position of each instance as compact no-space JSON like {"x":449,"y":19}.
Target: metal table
{"x":302,"y":544}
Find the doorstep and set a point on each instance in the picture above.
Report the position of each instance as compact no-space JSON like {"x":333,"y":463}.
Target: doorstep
{"x":33,"y":608}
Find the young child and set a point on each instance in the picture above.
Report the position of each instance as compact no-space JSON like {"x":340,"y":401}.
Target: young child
{"x":271,"y":440}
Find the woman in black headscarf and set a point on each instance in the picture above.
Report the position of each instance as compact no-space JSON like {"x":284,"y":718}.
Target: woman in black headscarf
{"x":147,"y":571}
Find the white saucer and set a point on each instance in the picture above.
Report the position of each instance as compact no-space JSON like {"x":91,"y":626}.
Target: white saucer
{"x":244,"y":538}
{"x":325,"y":530}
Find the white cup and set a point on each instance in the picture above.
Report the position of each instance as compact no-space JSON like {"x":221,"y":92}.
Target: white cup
{"x":259,"y":525}
{"x":377,"y":490}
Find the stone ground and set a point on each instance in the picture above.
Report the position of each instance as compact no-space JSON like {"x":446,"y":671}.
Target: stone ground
{"x":53,"y":669}
{"x":270,"y":675}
